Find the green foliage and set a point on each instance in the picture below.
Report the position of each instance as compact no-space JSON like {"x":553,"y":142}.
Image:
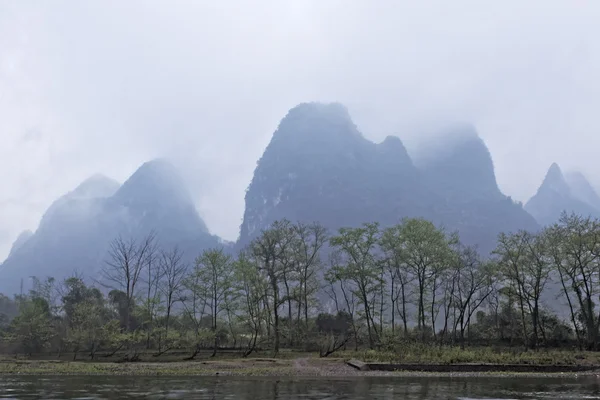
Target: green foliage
{"x":32,"y":329}
{"x":411,"y":291}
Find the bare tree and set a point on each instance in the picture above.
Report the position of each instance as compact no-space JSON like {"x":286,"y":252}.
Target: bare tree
{"x":173,"y":271}
{"x":474,"y":283}
{"x":123,"y":269}
{"x":152,"y":280}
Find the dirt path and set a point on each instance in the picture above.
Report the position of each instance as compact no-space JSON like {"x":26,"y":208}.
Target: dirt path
{"x":311,"y":366}
{"x":304,"y":366}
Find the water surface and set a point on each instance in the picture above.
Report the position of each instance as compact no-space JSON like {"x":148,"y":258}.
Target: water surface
{"x":410,"y":388}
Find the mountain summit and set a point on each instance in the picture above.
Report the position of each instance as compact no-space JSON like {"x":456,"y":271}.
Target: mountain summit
{"x":157,"y":196}
{"x":556,"y":195}
{"x":460,"y":165}
{"x":582,"y":189}
{"x":75,"y":232}
{"x":319,"y":167}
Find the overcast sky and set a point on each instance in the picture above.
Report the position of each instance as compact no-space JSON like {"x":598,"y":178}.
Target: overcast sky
{"x":101,"y":86}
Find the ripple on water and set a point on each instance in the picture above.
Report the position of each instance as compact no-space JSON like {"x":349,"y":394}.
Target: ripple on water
{"x":153,"y":388}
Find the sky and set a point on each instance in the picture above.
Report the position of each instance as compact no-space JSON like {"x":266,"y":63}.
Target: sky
{"x":100,"y":86}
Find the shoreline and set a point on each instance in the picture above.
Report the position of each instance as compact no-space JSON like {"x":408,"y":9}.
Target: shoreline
{"x":305,"y":367}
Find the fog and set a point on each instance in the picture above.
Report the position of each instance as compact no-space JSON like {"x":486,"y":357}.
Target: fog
{"x":102,"y":86}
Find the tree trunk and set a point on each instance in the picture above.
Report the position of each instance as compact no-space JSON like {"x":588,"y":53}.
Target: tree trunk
{"x":275,"y":314}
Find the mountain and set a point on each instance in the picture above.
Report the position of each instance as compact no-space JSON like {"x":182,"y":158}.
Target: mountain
{"x":155,"y":196}
{"x":557,"y":194}
{"x":319,"y":167}
{"x":21,"y":240}
{"x":582,"y":189}
{"x":75,"y":232}
{"x":459,"y":166}
{"x":77,"y":206}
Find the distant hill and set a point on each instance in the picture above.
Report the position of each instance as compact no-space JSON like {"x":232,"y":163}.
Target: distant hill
{"x":75,"y":232}
{"x":559,"y":192}
{"x":319,"y":167}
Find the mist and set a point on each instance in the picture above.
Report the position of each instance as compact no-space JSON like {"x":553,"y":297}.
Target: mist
{"x":102,"y":86}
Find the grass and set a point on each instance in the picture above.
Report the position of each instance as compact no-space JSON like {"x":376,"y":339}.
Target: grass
{"x":292,"y":363}
{"x":432,"y":354}
{"x":242,"y":367}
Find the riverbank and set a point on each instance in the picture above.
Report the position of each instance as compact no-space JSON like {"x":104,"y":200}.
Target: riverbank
{"x":304,"y":366}
{"x":259,"y":367}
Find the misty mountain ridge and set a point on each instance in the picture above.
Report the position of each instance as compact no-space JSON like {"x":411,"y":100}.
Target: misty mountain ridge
{"x":560,"y":192}
{"x":75,"y":232}
{"x":582,"y":189}
{"x":20,"y":241}
{"x":79,"y":204}
{"x":319,"y":167}
{"x":460,"y":165}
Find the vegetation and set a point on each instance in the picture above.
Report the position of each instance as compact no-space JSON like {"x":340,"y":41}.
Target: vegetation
{"x":409,"y":292}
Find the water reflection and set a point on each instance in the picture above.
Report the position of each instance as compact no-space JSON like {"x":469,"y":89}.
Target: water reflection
{"x":36,"y":387}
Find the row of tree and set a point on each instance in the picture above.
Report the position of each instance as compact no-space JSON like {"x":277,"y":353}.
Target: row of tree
{"x":298,"y":286}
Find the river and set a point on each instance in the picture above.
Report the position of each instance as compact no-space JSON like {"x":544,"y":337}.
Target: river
{"x":410,"y":388}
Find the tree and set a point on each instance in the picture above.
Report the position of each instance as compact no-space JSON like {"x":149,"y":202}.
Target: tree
{"x":556,"y":235}
{"x":360,"y":266}
{"x":511,"y":251}
{"x":250,"y":291}
{"x":575,"y":252}
{"x":153,"y":278}
{"x":525,"y":264}
{"x":173,"y":272}
{"x":87,"y":329}
{"x":336,"y":330}
{"x":400,"y":277}
{"x":474,"y":284}
{"x":32,"y":329}
{"x":76,"y":292}
{"x":537,"y":274}
{"x":337,"y":281}
{"x":269,"y":252}
{"x":214,"y":271}
{"x":426,"y":253}
{"x":306,"y":248}
{"x":127,"y":259}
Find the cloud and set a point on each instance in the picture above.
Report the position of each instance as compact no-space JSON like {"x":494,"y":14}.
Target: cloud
{"x":101,"y":86}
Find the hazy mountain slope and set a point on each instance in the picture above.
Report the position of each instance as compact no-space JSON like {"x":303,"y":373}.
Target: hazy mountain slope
{"x":318,"y":167}
{"x":581,"y":189}
{"x":67,"y":239}
{"x":459,"y":168}
{"x":555,"y":195}
{"x":75,"y":232}
{"x":21,"y":240}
